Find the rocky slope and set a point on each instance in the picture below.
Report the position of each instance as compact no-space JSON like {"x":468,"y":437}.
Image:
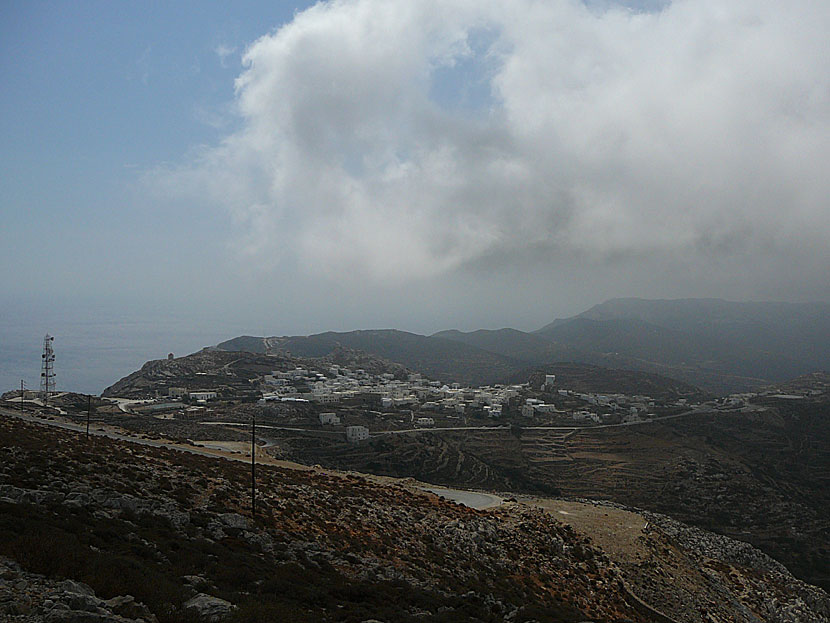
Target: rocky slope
{"x":152,"y":533}
{"x":759,"y":473}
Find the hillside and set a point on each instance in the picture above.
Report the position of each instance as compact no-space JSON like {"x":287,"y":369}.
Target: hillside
{"x":435,"y":357}
{"x":231,"y":372}
{"x":759,"y":473}
{"x":678,"y":350}
{"x":764,"y":341}
{"x":169,"y":536}
{"x":581,"y":377}
{"x":518,"y":345}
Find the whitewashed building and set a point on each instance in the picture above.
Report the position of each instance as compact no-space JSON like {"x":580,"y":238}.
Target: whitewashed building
{"x":356,"y":433}
{"x":202,"y":396}
{"x":329,"y":418}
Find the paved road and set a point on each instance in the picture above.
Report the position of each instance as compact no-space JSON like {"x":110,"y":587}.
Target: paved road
{"x":501,"y":427}
{"x":268,"y":426}
{"x":97,"y":430}
{"x":473,"y":499}
{"x":340,"y":432}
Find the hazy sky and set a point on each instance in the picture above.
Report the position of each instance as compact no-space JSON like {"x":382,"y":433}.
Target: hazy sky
{"x":290,"y":168}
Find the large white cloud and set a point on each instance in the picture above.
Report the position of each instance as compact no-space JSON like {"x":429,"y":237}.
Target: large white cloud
{"x":410,"y":138}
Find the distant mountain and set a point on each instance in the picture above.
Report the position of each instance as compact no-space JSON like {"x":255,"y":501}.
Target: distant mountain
{"x":518,"y":345}
{"x":717,"y":345}
{"x":706,"y":341}
{"x":798,"y":331}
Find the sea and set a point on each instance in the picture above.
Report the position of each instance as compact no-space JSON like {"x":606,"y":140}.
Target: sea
{"x":92,"y":353}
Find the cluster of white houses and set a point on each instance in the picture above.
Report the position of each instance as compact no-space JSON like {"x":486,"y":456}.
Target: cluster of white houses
{"x":422,"y":398}
{"x":414,"y":393}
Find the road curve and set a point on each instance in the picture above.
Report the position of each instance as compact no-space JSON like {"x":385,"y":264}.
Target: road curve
{"x":472,"y":499}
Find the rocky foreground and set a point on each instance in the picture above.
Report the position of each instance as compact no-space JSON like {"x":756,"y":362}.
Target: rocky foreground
{"x":103,"y":530}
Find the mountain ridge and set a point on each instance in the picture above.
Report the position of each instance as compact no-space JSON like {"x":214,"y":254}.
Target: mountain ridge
{"x":721,"y":346}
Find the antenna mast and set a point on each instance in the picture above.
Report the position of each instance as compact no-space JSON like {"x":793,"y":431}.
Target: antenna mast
{"x":47,"y":369}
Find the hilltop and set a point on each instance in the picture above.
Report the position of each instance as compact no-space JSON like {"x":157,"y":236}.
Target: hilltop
{"x":233,"y":373}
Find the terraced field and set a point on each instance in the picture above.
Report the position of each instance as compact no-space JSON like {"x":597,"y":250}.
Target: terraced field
{"x":761,"y":476}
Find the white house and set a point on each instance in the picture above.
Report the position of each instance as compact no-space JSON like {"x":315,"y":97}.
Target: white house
{"x":325,"y":398}
{"x":329,"y":418}
{"x":202,"y":396}
{"x":269,"y":398}
{"x":356,"y":433}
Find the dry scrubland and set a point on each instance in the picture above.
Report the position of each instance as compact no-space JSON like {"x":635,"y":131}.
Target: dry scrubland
{"x":99,"y":529}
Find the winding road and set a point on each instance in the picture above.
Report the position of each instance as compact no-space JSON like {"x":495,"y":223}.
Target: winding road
{"x":472,"y":499}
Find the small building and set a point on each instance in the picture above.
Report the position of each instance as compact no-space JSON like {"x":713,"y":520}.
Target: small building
{"x":177,"y":392}
{"x":528,"y":410}
{"x":355,"y":434}
{"x":423,"y":422}
{"x":203,"y":396}
{"x":584,"y":416}
{"x":270,"y":379}
{"x":329,"y":418}
{"x":550,"y":379}
{"x":325,"y":398}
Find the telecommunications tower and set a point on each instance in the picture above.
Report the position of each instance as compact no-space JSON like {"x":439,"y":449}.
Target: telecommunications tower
{"x":47,"y":369}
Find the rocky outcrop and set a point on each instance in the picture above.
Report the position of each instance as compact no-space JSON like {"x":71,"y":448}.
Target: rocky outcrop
{"x":209,"y":608}
{"x":32,"y":598}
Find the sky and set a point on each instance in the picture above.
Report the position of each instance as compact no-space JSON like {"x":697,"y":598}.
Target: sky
{"x":287,"y":168}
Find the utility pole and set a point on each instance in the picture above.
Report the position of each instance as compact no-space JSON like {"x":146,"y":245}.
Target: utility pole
{"x":253,"y":464}
{"x":88,"y":412}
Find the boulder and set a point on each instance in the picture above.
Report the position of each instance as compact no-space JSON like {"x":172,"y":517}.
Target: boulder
{"x":233,"y":520}
{"x":78,"y":588}
{"x":209,"y":608}
{"x":127,"y":606}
